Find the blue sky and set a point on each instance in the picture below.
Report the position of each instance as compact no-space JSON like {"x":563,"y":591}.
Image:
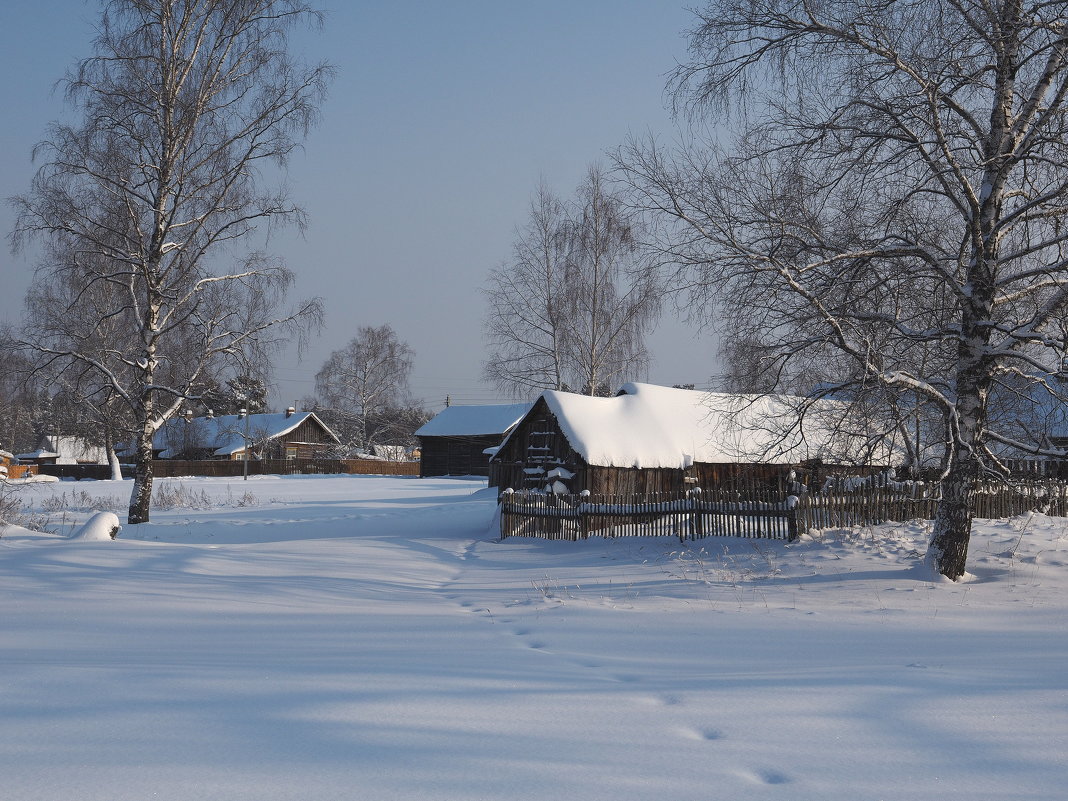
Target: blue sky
{"x":442,"y":119}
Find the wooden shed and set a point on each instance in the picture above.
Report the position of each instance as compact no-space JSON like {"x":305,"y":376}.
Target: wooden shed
{"x":459,"y":440}
{"x":650,"y":439}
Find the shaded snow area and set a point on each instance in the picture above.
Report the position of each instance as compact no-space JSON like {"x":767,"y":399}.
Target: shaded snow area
{"x":367,"y":638}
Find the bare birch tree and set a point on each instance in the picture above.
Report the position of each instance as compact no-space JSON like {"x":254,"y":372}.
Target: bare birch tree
{"x":893,"y":208}
{"x":364,"y":380}
{"x":18,"y":396}
{"x":152,"y":194}
{"x":526,"y":319}
{"x":573,"y":306}
{"x":613,"y":298}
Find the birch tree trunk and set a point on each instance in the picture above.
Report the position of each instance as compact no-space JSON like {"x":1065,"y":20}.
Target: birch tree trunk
{"x":141,"y":495}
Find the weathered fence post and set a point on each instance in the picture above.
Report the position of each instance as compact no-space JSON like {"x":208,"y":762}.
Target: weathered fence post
{"x":504,"y":497}
{"x":697,"y":521}
{"x":792,"y":503}
{"x":584,"y":523}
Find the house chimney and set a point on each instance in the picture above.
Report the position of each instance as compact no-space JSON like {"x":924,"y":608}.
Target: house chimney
{"x":290,"y":411}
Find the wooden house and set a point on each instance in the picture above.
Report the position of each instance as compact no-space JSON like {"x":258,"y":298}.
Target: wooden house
{"x":460,"y":439}
{"x":282,"y":435}
{"x":650,"y":439}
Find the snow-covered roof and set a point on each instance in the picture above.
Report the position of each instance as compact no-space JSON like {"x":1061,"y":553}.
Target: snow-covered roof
{"x":471,"y":421}
{"x":649,"y":426}
{"x":40,"y":453}
{"x":66,"y":450}
{"x":225,"y":434}
{"x":392,"y":453}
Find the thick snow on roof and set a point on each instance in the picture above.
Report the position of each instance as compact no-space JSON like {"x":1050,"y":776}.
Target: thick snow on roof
{"x":66,"y":450}
{"x":648,"y":426}
{"x":470,"y":421}
{"x":224,"y":434}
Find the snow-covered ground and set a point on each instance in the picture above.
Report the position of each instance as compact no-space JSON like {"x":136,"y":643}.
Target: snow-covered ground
{"x":367,"y":638}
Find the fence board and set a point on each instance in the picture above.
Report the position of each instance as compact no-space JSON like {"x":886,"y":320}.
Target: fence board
{"x":687,"y":516}
{"x":756,"y":513}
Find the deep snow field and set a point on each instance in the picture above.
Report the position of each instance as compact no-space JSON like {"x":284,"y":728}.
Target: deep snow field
{"x":369,"y":638}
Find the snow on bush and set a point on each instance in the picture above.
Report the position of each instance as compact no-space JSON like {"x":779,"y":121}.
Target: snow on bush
{"x":100,"y":527}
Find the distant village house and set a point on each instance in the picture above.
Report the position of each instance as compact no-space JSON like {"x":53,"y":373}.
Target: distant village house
{"x":281,"y":435}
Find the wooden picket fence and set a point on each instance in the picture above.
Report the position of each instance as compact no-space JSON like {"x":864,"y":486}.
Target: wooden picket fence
{"x":697,"y":514}
{"x":689,"y":516}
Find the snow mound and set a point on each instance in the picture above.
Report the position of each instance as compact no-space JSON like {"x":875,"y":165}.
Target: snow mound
{"x":37,"y":479}
{"x":101,"y":526}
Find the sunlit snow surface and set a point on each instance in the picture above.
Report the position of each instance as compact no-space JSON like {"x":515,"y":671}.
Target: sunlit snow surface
{"x":368,"y":638}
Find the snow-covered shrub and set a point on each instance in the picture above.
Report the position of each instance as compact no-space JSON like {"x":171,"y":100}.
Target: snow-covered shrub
{"x":101,"y":527}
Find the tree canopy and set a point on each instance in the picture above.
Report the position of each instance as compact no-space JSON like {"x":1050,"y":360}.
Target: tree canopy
{"x":887,"y":220}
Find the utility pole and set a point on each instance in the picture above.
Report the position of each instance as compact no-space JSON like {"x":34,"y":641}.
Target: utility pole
{"x":244,"y":413}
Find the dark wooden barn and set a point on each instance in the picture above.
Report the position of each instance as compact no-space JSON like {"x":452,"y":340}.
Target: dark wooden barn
{"x":455,"y":442}
{"x":650,"y":439}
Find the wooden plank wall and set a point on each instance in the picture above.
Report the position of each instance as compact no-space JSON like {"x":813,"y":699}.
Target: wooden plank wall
{"x":456,"y":456}
{"x":532,"y":450}
{"x":21,"y":470}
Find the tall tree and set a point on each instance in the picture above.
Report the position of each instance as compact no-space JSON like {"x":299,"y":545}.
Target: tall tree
{"x":892,"y":210}
{"x":526,"y":321}
{"x":572,"y":307}
{"x":20,"y":397}
{"x":183,"y":107}
{"x":612,"y":296}
{"x":363,"y":381}
{"x":241,"y":392}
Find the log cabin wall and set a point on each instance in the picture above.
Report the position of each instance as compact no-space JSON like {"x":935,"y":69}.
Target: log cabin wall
{"x":306,"y":441}
{"x":309,"y":433}
{"x":533,"y":450}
